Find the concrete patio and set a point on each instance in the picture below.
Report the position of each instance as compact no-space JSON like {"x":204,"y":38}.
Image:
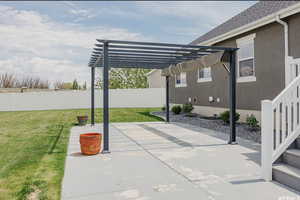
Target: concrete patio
{"x":167,"y":161}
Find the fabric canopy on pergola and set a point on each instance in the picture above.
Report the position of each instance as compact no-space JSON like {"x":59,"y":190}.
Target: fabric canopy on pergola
{"x":171,"y":58}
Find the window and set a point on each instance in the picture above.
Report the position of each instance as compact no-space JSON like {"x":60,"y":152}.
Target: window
{"x":204,"y":75}
{"x":245,"y":57}
{"x":180,"y":79}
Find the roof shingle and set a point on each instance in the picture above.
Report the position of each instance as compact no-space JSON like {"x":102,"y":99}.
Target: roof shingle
{"x":254,"y":13}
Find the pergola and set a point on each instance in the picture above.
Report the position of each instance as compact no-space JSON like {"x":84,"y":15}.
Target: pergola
{"x":129,"y":54}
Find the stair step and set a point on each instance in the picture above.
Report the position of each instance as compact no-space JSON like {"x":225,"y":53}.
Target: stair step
{"x":287,"y":175}
{"x":292,"y":157}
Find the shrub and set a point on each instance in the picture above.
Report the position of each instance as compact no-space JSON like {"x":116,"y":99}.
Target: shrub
{"x":163,"y":108}
{"x":176,"y":109}
{"x":225,"y":116}
{"x":187,"y":107}
{"x":252,"y":122}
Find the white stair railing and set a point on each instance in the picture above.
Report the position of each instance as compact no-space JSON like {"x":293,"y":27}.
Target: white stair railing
{"x":280,"y":122}
{"x":294,"y":68}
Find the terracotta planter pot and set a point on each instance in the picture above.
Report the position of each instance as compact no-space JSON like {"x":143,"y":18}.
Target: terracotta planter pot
{"x":82,"y":120}
{"x":90,"y":143}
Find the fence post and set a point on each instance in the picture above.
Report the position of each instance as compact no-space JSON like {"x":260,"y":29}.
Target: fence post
{"x":267,"y":137}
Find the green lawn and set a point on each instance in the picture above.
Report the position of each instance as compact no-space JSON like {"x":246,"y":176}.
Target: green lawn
{"x":33,"y":148}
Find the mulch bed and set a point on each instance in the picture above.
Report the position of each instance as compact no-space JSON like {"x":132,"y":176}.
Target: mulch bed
{"x":242,"y":129}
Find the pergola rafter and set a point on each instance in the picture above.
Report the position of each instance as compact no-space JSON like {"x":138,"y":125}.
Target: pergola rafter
{"x":149,"y":55}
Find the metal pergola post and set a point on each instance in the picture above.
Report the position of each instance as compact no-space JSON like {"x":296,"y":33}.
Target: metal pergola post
{"x":105,"y":98}
{"x":92,"y":96}
{"x":167,"y":100}
{"x":232,"y":97}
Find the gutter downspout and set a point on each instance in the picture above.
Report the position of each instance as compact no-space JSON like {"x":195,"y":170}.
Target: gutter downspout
{"x":288,"y":77}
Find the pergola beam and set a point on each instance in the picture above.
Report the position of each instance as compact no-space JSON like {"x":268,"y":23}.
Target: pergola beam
{"x":99,"y":51}
{"x":153,"y":48}
{"x":148,"y":56}
{"x":163,"y":61}
{"x":138,"y":61}
{"x":146,"y":59}
{"x":124,"y":64}
{"x":164,"y":44}
{"x":134,"y":65}
{"x":95,"y":54}
{"x":137,"y":65}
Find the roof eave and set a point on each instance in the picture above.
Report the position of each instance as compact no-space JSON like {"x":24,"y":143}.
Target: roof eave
{"x":256,"y":24}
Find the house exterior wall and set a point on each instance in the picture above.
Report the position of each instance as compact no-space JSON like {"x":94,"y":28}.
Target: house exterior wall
{"x":269,"y":71}
{"x":155,"y":80}
{"x":294,"y":39}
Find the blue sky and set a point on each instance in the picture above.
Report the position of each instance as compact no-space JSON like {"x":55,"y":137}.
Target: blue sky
{"x":53,"y":40}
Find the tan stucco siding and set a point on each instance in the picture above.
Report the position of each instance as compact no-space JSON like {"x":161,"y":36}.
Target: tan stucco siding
{"x":294,"y":33}
{"x":269,"y":70}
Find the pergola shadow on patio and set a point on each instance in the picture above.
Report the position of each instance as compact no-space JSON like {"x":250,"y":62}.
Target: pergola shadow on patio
{"x":168,"y":57}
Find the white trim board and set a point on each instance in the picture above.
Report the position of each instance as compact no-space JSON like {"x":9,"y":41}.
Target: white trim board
{"x":203,"y":80}
{"x":249,"y":39}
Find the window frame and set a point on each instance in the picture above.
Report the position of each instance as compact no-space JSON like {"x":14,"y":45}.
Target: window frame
{"x":181,"y":78}
{"x":242,"y":41}
{"x":204,"y":79}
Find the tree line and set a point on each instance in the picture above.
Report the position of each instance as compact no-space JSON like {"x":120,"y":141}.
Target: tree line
{"x":8,"y":80}
{"x":122,"y":78}
{"x":70,"y":85}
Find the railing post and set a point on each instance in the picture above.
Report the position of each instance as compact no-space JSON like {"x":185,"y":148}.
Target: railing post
{"x":267,"y":139}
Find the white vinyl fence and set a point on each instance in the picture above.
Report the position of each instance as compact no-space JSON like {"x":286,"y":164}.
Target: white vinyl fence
{"x":119,"y":98}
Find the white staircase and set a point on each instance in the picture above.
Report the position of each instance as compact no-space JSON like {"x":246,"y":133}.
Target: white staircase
{"x":280,"y":129}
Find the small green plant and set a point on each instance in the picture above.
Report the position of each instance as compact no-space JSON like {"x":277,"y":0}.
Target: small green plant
{"x":176,"y":109}
{"x":225,"y":116}
{"x":163,"y":108}
{"x":252,"y":122}
{"x":187,"y":107}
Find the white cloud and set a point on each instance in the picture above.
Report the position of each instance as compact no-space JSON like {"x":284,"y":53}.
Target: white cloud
{"x":47,"y":69}
{"x":36,"y":45}
{"x":32,"y":43}
{"x":80,"y":13}
{"x":210,"y":13}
